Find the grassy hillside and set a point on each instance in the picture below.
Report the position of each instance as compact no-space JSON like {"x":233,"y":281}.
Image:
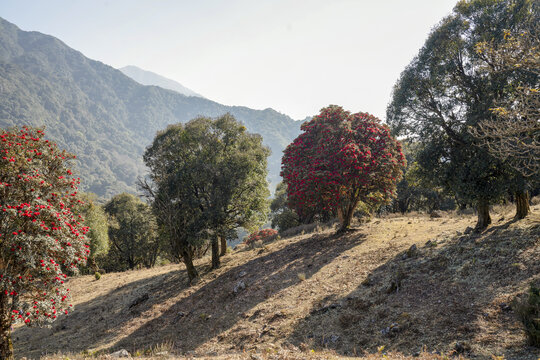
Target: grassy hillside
{"x":104,"y":117}
{"x":339,"y":296}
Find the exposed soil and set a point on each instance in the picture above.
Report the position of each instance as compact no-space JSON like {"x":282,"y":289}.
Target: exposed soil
{"x":319,"y":296}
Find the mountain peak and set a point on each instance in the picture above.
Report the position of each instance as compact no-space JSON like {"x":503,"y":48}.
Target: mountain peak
{"x":146,"y":77}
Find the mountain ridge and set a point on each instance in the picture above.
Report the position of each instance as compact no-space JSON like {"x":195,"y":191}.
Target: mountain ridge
{"x":103,"y":116}
{"x":145,"y":77}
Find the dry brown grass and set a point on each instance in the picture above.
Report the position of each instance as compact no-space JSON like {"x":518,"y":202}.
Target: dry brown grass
{"x":451,"y":290}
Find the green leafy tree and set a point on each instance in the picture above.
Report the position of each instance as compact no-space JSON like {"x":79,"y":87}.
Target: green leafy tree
{"x":340,"y":160}
{"x":132,"y":233}
{"x":207,"y":178}
{"x":282,"y":216}
{"x":42,"y":238}
{"x":444,"y":92}
{"x":96,"y":219}
{"x":513,"y":135}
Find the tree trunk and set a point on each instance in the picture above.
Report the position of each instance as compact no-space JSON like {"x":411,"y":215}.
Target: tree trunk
{"x":522,"y":204}
{"x":188,"y":261}
{"x":483,"y":215}
{"x":345,"y":220}
{"x":6,"y":347}
{"x":223,"y":241}
{"x":215,"y":252}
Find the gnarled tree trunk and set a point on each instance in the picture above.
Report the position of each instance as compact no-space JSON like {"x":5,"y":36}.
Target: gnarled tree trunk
{"x":223,"y":241}
{"x":187,"y":256}
{"x":6,"y":347}
{"x":215,"y":252}
{"x":522,"y":204}
{"x":484,"y":219}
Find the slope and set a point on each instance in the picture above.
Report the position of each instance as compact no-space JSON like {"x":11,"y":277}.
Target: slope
{"x":346,"y":294}
{"x":145,"y":77}
{"x":103,"y":116}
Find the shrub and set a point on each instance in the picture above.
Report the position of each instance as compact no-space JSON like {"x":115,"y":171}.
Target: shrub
{"x":97,"y":275}
{"x":528,"y":310}
{"x":262,"y":235}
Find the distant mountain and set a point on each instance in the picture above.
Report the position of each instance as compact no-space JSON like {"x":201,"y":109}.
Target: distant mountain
{"x":145,"y":77}
{"x":104,"y":117}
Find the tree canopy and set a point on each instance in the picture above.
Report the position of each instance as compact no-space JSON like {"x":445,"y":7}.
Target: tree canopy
{"x":339,"y":160}
{"x":207,"y":177}
{"x":42,"y":236}
{"x":444,"y":92}
{"x":132,"y":233}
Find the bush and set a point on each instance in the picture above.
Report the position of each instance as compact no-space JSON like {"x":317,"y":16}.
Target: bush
{"x":262,"y":235}
{"x":97,"y":275}
{"x":528,"y":310}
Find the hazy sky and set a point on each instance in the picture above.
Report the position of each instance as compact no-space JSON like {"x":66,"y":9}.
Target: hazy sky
{"x":294,"y":56}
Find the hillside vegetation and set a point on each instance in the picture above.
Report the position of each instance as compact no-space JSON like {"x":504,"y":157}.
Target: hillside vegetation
{"x":408,"y":283}
{"x":103,"y":116}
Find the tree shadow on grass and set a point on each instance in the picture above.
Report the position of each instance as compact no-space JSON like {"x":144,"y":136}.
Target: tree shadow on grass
{"x":98,"y":322}
{"x":451,"y":296}
{"x":216,"y":307}
{"x":205,"y":311}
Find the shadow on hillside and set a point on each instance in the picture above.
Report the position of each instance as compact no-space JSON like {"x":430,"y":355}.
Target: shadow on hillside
{"x":195,"y":319}
{"x":456,"y":291}
{"x":98,"y":321}
{"x":215,"y":307}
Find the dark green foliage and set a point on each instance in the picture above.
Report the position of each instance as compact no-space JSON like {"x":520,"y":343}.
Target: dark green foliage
{"x":416,"y":192}
{"x":132,"y":234}
{"x":282,"y":216}
{"x":103,"y":116}
{"x":443,"y":93}
{"x":528,"y":310}
{"x":96,"y":219}
{"x":208,"y":177}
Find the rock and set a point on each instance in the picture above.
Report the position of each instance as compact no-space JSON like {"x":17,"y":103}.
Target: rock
{"x":391,"y":330}
{"x":241,"y":274}
{"x":505,"y":307}
{"x":121,"y":354}
{"x":412,"y":251}
{"x":468,"y":230}
{"x":162,"y":353}
{"x":139,"y":300}
{"x":255,"y":357}
{"x":332,"y":339}
{"x":461,"y":347}
{"x":435,"y":214}
{"x":240,"y":285}
{"x":431,"y":243}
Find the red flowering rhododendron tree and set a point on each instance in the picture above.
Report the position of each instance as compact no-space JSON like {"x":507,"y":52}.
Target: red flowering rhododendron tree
{"x":42,"y":238}
{"x":263,"y":235}
{"x":339,"y":160}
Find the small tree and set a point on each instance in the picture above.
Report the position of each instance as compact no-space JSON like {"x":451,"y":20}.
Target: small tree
{"x":282,"y":216}
{"x":339,"y":160}
{"x":132,"y":232}
{"x":42,"y":238}
{"x":98,"y":235}
{"x":208,"y":177}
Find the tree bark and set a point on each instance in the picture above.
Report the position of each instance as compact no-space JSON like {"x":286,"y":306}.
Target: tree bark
{"x":484,"y":219}
{"x":345,"y":220}
{"x":188,"y":261}
{"x":522,"y":204}
{"x":6,"y":346}
{"x":215,"y":252}
{"x":223,"y":241}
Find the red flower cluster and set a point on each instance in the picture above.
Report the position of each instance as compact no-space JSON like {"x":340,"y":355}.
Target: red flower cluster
{"x":263,"y":235}
{"x":42,"y":237}
{"x":339,"y":160}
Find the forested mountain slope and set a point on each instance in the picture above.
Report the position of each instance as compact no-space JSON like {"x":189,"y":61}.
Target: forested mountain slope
{"x":100,"y":114}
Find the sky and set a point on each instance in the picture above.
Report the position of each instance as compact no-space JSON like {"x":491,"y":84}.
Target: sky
{"x":294,"y":56}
